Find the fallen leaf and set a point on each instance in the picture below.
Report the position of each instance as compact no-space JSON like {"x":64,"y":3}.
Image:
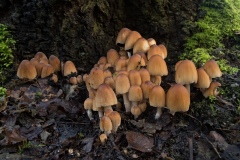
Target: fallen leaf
{"x":220,"y":141}
{"x":31,"y":133}
{"x":147,"y":127}
{"x":88,"y":144}
{"x":139,"y":142}
{"x":44,"y":135}
{"x":12,"y":136}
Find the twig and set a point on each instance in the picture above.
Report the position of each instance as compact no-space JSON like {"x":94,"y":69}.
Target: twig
{"x":214,"y":148}
{"x":193,"y":118}
{"x":190,"y":144}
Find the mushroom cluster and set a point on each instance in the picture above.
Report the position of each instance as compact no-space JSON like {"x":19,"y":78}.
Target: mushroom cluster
{"x":135,"y":73}
{"x":43,"y":67}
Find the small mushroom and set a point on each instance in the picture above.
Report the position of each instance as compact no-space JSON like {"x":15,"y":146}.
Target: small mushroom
{"x":130,"y":41}
{"x":106,"y":125}
{"x":26,"y":70}
{"x":141,"y":45}
{"x":177,"y":99}
{"x":88,"y":105}
{"x":157,"y":99}
{"x":69,"y":68}
{"x":122,"y":36}
{"x":122,"y":85}
{"x":136,"y":111}
{"x":47,"y":70}
{"x":105,"y":97}
{"x":112,"y":56}
{"x":55,"y":62}
{"x":212,"y":90}
{"x":186,"y":74}
{"x":212,"y":69}
{"x":103,"y":138}
{"x":151,"y":41}
{"x":40,"y":55}
{"x":116,"y":120}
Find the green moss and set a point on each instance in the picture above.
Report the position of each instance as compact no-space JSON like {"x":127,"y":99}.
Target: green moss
{"x":2,"y":91}
{"x":221,"y":20}
{"x":6,"y":54}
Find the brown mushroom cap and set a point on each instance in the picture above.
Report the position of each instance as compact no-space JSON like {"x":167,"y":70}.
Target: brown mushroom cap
{"x":134,"y":62}
{"x":107,"y":73}
{"x":69,"y":68}
{"x":103,"y":138}
{"x":178,"y":99}
{"x":186,"y":73}
{"x":131,"y":39}
{"x":47,"y":70}
{"x":122,"y":53}
{"x":120,"y":64}
{"x":164,"y":49}
{"x":157,"y":96}
{"x":144,"y":59}
{"x":112,"y":56}
{"x":116,"y":120}
{"x":146,"y":88}
{"x":102,"y":60}
{"x":151,"y":41}
{"x":145,"y":75}
{"x":34,"y":61}
{"x":212,"y":69}
{"x":156,"y":80}
{"x":122,"y":84}
{"x":110,"y":81}
{"x":73,"y":80}
{"x":136,"y":111}
{"x":105,"y":125}
{"x":39,"y":67}
{"x":40,"y":55}
{"x":141,"y":45}
{"x":26,"y":70}
{"x":88,"y":103}
{"x":44,"y":60}
{"x":55,"y":62}
{"x":122,"y":36}
{"x":203,"y":79}
{"x":135,"y":93}
{"x":96,"y":77}
{"x":155,"y":50}
{"x":105,"y":96}
{"x":177,"y":64}
{"x":54,"y":78}
{"x":135,"y":77}
{"x":157,"y":66}
{"x":143,"y":106}
{"x":212,"y":90}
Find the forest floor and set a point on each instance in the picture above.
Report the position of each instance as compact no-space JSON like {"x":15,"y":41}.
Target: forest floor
{"x":36,"y":122}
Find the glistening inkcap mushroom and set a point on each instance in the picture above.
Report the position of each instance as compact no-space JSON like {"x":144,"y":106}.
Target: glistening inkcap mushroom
{"x":177,"y":99}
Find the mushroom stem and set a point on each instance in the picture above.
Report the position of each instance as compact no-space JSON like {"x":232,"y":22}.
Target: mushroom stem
{"x":159,"y":113}
{"x":100,"y":112}
{"x":126,"y":103}
{"x":129,"y":54}
{"x":188,"y":87}
{"x":108,"y":107}
{"x":136,"y":116}
{"x":70,"y":90}
{"x":172,"y":113}
{"x":89,"y":113}
{"x":134,"y":103}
